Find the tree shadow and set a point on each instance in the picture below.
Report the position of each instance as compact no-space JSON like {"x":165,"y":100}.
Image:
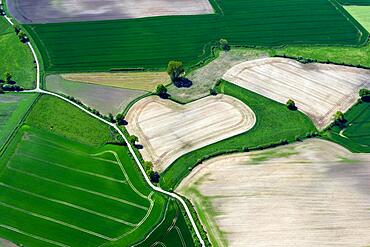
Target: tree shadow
{"x":183,"y":82}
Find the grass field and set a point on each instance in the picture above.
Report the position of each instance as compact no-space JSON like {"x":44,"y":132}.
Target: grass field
{"x":152,"y":42}
{"x":13,"y":107}
{"x":16,"y":58}
{"x":56,"y":116}
{"x":361,"y":14}
{"x":356,"y":135}
{"x":274,"y":123}
{"x":57,"y":192}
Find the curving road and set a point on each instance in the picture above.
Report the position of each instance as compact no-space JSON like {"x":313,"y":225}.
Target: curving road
{"x":39,"y":90}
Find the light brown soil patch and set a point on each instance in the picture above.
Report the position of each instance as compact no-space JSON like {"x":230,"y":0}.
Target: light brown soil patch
{"x":146,"y":81}
{"x":319,"y":90}
{"x":314,"y":193}
{"x":168,"y":130}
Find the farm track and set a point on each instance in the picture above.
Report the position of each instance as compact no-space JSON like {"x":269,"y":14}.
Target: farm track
{"x":170,"y":194}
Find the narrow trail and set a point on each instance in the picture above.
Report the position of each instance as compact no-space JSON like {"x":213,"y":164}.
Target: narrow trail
{"x":155,"y":188}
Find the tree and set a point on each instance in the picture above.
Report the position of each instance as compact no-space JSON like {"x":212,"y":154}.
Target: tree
{"x":7,"y":77}
{"x":154,"y":177}
{"x":23,"y":37}
{"x":17,"y":29}
{"x":111,"y":118}
{"x":148,"y":167}
{"x":291,"y":105}
{"x":339,"y":119}
{"x":175,"y":69}
{"x":365,"y":94}
{"x":120,"y":119}
{"x":161,"y":90}
{"x":133,"y":139}
{"x":224,"y":44}
{"x":1,"y":90}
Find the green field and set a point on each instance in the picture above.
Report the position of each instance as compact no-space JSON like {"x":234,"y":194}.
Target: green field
{"x":361,"y":14}
{"x":56,"y":189}
{"x":16,"y":58}
{"x":152,"y":42}
{"x":59,"y":192}
{"x":56,"y":116}
{"x":13,"y":107}
{"x":357,"y":133}
{"x":274,"y":123}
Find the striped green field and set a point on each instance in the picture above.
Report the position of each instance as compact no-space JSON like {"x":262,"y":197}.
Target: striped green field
{"x":13,"y":108}
{"x":152,"y":42}
{"x":356,"y":136}
{"x":56,"y":192}
{"x":56,"y":189}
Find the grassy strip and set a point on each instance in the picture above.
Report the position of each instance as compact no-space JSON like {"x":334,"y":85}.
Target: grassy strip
{"x":56,"y":116}
{"x":16,"y":58}
{"x":12,"y":116}
{"x":276,"y":125}
{"x":356,"y":132}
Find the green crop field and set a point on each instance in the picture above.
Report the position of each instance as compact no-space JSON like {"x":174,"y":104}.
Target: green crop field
{"x":56,"y":116}
{"x":56,"y":192}
{"x":15,"y":58}
{"x":13,"y":107}
{"x":356,"y":134}
{"x":274,"y":123}
{"x":361,"y":14}
{"x":152,"y":42}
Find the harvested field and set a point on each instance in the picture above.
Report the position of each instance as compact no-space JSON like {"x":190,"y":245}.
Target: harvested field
{"x":205,"y":78}
{"x":314,"y":193}
{"x":51,"y":11}
{"x":145,"y":81}
{"x":103,"y":98}
{"x":168,"y":130}
{"x":319,"y":90}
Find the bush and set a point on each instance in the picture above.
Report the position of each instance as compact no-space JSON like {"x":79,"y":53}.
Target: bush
{"x":224,"y":44}
{"x":339,"y":119}
{"x":213,"y":91}
{"x":161,"y":91}
{"x":365,"y":94}
{"x":291,"y":105}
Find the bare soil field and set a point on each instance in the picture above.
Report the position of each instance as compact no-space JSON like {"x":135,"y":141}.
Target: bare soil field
{"x":168,"y":130}
{"x":319,"y":90}
{"x":102,"y":98}
{"x":314,"y":193}
{"x":145,"y":81}
{"x":6,"y":243}
{"x":51,"y":11}
{"x":205,"y":78}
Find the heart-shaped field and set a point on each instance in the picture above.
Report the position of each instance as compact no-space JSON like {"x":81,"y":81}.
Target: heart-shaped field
{"x":168,"y":130}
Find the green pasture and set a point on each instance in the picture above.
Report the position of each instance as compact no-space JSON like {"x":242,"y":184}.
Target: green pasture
{"x":13,"y":108}
{"x":274,"y":123}
{"x":355,"y":2}
{"x":357,"y":133}
{"x":15,"y":57}
{"x":361,"y":14}
{"x":152,"y":42}
{"x":59,"y":192}
{"x":57,"y":116}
